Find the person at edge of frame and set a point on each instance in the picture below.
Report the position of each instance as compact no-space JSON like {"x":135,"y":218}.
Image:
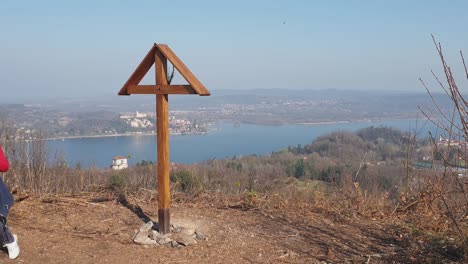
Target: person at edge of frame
{"x":8,"y":240}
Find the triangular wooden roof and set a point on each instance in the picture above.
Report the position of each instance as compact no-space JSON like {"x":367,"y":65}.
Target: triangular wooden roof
{"x":132,"y":85}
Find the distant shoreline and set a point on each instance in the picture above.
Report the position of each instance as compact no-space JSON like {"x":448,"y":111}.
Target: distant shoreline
{"x":99,"y":136}
{"x":204,"y":133}
{"x":324,"y":123}
{"x":117,"y":135}
{"x":313,"y":123}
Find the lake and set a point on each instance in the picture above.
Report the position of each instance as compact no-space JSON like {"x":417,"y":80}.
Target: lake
{"x":226,"y":140}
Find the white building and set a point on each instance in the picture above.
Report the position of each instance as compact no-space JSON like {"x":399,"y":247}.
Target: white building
{"x":144,"y":123}
{"x":119,"y":162}
{"x":140,"y":115}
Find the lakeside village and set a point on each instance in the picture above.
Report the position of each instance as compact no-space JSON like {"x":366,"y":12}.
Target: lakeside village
{"x":125,"y":124}
{"x":177,"y":126}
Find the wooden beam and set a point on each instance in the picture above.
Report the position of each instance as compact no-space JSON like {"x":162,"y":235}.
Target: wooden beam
{"x":160,"y":89}
{"x":140,"y":71}
{"x":183,"y":70}
{"x":158,"y":55}
{"x":162,"y":116}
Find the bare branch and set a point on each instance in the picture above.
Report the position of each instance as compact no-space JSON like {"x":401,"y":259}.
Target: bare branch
{"x":464,"y":64}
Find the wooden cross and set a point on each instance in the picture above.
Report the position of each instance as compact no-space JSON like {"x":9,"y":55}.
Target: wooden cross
{"x":158,"y":55}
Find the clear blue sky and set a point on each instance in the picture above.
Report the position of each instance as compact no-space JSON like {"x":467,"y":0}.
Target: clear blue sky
{"x":85,"y":48}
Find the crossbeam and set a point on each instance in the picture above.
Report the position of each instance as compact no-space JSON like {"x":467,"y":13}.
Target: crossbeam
{"x":160,"y":89}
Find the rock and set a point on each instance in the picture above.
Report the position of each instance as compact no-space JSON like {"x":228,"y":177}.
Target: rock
{"x":174,"y":243}
{"x":144,"y":238}
{"x":184,"y":239}
{"x":187,"y":231}
{"x":200,"y":236}
{"x":155,"y":235}
{"x":145,"y":235}
{"x":146,"y":227}
{"x":163,"y":240}
{"x":180,"y":236}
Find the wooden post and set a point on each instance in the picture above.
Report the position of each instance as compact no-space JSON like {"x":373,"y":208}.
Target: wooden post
{"x":158,"y":55}
{"x":162,"y":116}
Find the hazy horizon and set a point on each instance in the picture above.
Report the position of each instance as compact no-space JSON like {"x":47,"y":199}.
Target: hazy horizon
{"x":113,"y":97}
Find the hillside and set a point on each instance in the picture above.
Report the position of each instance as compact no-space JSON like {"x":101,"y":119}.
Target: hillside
{"x":54,"y":230}
{"x":344,"y":198}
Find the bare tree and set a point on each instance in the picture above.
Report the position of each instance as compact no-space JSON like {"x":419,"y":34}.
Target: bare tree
{"x":450,"y":186}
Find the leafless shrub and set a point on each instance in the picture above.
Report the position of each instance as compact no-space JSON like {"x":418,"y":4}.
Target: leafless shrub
{"x":443,"y":195}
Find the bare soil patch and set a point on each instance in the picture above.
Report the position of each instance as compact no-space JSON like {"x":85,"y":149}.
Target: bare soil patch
{"x":84,"y":230}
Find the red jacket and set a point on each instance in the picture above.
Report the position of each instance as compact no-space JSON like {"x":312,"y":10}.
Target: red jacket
{"x":4,"y":166}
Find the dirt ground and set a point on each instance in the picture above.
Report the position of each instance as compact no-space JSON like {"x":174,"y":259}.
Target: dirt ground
{"x":81,"y":230}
